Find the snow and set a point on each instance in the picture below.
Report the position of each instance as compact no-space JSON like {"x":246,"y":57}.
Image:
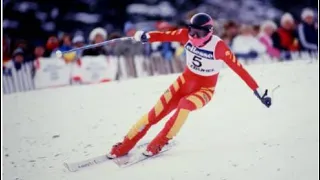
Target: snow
{"x":234,"y":137}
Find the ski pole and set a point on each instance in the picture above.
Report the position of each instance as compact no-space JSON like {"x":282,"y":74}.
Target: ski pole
{"x":60,"y":53}
{"x":273,"y":90}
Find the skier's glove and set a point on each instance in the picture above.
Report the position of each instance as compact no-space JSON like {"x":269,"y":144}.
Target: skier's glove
{"x":141,"y":36}
{"x":264,"y":98}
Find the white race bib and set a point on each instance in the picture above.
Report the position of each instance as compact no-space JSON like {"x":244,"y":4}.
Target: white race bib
{"x":201,"y":61}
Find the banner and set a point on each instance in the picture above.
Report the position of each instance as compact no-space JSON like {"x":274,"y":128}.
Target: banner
{"x":51,"y":72}
{"x":95,"y":69}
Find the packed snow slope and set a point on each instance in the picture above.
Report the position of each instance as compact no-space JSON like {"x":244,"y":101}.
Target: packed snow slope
{"x":233,"y":138}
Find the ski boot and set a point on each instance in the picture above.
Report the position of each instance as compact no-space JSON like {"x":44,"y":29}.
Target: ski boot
{"x":156,"y":146}
{"x":121,"y":149}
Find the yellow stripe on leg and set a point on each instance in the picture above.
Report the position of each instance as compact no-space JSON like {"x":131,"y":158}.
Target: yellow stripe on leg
{"x":209,"y":93}
{"x":196,"y":101}
{"x":205,"y":96}
{"x":182,"y":79}
{"x":138,"y":126}
{"x":158,"y":108}
{"x":167,"y":96}
{"x":176,"y":86}
{"x":199,"y":93}
{"x":181,"y":118}
{"x":208,"y":88}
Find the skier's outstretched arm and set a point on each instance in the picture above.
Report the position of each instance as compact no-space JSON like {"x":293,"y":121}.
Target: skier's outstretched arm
{"x":179,"y":35}
{"x":223,"y":52}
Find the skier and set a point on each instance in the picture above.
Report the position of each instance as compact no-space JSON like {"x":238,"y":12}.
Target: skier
{"x":193,"y":89}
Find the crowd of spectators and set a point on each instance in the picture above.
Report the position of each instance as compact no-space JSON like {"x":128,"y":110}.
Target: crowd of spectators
{"x":248,"y":41}
{"x":276,"y":40}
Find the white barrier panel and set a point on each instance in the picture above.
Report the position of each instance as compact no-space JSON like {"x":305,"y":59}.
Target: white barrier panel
{"x":140,"y":65}
{"x":95,"y":69}
{"x":17,"y":80}
{"x":123,"y":68}
{"x":51,"y":72}
{"x":54,"y":72}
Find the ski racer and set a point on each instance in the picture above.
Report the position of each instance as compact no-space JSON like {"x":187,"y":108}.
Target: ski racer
{"x":193,"y":89}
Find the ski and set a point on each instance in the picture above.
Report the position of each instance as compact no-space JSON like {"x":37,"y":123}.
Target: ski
{"x":138,"y":157}
{"x":76,"y":166}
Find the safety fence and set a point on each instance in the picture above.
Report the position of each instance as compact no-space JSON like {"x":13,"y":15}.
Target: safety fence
{"x":55,"y":72}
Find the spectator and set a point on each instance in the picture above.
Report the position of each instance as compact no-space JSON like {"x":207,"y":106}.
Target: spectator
{"x":39,"y":51}
{"x":115,"y":35}
{"x":245,"y":45}
{"x":129,"y":29}
{"x":97,"y":35}
{"x":52,"y":44}
{"x":23,"y":45}
{"x":226,"y":39}
{"x":266,"y":30}
{"x":18,"y":58}
{"x":230,"y":31}
{"x":77,"y":42}
{"x":6,"y":49}
{"x":285,"y":38}
{"x":256,"y":30}
{"x":17,"y":73}
{"x":111,"y":47}
{"x":65,"y":43}
{"x":308,"y":36}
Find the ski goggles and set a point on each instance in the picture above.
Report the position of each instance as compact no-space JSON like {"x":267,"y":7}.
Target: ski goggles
{"x":198,"y":32}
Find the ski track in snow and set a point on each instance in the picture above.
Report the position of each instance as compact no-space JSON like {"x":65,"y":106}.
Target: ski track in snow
{"x":234,"y":137}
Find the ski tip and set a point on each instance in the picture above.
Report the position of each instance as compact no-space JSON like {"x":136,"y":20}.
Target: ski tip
{"x":68,"y":167}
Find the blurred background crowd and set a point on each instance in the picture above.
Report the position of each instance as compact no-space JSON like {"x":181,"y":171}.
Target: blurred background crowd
{"x":35,"y":28}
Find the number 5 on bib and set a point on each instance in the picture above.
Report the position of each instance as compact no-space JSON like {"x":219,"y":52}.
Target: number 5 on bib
{"x":196,"y":61}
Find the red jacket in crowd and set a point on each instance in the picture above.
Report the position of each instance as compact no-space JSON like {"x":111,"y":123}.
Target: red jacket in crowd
{"x":285,"y":40}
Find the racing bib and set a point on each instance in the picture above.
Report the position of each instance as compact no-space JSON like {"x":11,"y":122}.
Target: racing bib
{"x":201,"y":60}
